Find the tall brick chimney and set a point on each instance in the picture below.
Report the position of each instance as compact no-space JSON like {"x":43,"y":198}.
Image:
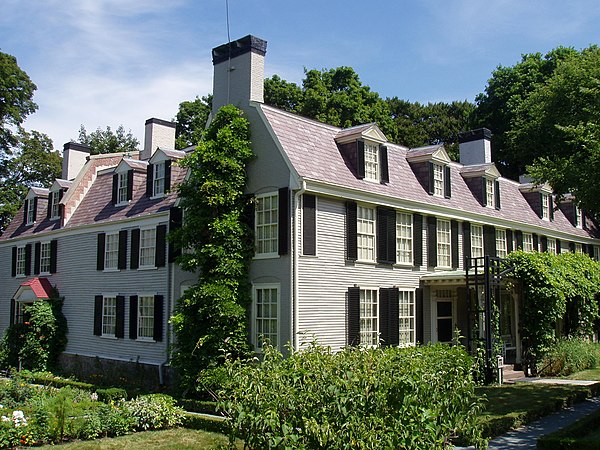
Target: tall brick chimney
{"x":158,"y":133}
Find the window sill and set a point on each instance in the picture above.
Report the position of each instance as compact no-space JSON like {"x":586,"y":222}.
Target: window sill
{"x":157,"y":196}
{"x":112,"y":269}
{"x":366,"y":262}
{"x":146,"y":340}
{"x":109,"y":336}
{"x":266,"y":256}
{"x":45,"y":273}
{"x":147,"y":268}
{"x":20,"y":275}
{"x":309,"y":256}
{"x":404,"y":265}
{"x":125,"y":203}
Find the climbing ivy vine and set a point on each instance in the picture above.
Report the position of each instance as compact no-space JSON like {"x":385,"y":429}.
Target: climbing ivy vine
{"x":210,"y":318}
{"x":556,"y":289}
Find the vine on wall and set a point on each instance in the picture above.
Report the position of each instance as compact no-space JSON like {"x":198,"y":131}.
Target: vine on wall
{"x":210,"y":318}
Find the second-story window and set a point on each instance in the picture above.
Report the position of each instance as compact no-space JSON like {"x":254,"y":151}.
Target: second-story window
{"x":159,"y":178}
{"x":365,"y":221}
{"x":371,"y":162}
{"x":404,"y":238}
{"x":111,"y":251}
{"x":266,"y":224}
{"x":443,"y":243}
{"x":147,"y":247}
{"x":476,"y":241}
{"x":20,"y":261}
{"x":122,"y":188}
{"x":438,"y":180}
{"x":527,"y":242}
{"x":45,"y":256}
{"x":501,"y":251}
{"x":551,"y":246}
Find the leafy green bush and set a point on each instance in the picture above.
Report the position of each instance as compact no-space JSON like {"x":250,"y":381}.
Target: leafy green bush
{"x":111,"y":394}
{"x":154,"y":412}
{"x":357,"y":398}
{"x":106,"y":421}
{"x":568,"y":356}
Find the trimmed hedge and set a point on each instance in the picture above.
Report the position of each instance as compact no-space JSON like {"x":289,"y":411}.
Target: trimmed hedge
{"x":197,"y":421}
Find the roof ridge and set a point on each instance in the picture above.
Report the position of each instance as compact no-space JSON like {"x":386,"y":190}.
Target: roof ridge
{"x":303,"y":118}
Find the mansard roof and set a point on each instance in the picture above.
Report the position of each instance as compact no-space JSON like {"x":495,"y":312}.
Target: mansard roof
{"x":311,"y":149}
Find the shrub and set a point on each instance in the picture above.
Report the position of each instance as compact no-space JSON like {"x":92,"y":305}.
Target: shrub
{"x":358,"y":398}
{"x":111,"y":394}
{"x":106,"y":421}
{"x":568,"y":356}
{"x":154,"y":412}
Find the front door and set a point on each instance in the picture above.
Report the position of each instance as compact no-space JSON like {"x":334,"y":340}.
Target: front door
{"x":444,"y":320}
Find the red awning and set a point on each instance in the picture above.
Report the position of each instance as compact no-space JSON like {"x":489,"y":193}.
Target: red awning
{"x":41,"y":287}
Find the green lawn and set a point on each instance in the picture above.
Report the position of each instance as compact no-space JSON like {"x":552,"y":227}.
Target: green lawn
{"x":590,"y":374}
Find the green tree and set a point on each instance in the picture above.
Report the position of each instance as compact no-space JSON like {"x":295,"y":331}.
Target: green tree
{"x":108,"y":141}
{"x":283,"y":94}
{"x":191,"y":121}
{"x":210,"y":318}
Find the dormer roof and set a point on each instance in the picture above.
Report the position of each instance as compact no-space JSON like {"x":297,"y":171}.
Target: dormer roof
{"x":532,"y":187}
{"x":480,"y":170}
{"x":37,"y":192}
{"x":162,"y":154}
{"x":128,"y":164}
{"x":60,"y":184}
{"x":435,"y":153}
{"x":368,"y":131}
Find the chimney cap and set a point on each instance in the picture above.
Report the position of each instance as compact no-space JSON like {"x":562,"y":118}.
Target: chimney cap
{"x":236,"y":48}
{"x":474,"y":135}
{"x":77,"y":146}
{"x":162,"y":122}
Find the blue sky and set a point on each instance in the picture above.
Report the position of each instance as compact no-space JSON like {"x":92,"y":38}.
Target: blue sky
{"x":111,"y":62}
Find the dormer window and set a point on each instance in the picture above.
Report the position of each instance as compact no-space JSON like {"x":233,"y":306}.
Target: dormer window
{"x":489,"y":192}
{"x":54,"y":209}
{"x":122,"y":188}
{"x":371,"y":162}
{"x":159,"y":179}
{"x":363,"y":149}
{"x":30,"y":211}
{"x":578,"y":217}
{"x":158,"y":175}
{"x":545,"y":200}
{"x":438,"y":180}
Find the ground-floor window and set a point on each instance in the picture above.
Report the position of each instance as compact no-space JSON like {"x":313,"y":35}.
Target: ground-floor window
{"x":109,"y":316}
{"x":369,"y":328}
{"x":406,"y":319}
{"x":266,"y":315}
{"x":145,"y":322}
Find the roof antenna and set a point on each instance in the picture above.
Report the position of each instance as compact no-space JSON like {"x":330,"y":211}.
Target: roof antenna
{"x":228,"y":49}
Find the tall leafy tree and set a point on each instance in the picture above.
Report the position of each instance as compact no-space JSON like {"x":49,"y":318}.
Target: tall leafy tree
{"x":109,"y":141}
{"x":283,"y":94}
{"x":191,"y":119}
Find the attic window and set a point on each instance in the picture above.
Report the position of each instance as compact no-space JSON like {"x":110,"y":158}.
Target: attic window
{"x":371,"y":162}
{"x":122,"y":188}
{"x":438,"y":180}
{"x":30,"y":211}
{"x":55,"y":204}
{"x":489,"y":193}
{"x":159,"y":178}
{"x":545,"y":206}
{"x":578,"y":217}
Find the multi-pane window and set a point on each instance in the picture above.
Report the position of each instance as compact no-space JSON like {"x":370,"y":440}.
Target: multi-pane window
{"x":159,"y":178}
{"x":122,"y":188}
{"x":145,"y":316}
{"x":406,"y":319}
{"x":266,"y":227}
{"x":578,"y":248}
{"x":578,"y":217}
{"x":371,"y":162}
{"x":476,"y":241}
{"x":501,"y":250}
{"x":527,"y":242}
{"x":443,"y":243}
{"x":20,"y":261}
{"x":365,"y":238}
{"x":545,"y":207}
{"x":438,"y":180}
{"x":111,"y":251}
{"x":489,"y":192}
{"x":109,"y":316}
{"x":369,"y":324}
{"x":596,"y":253}
{"x":54,"y":207}
{"x":404,"y":238}
{"x":551,"y":248}
{"x":30,"y":211}
{"x":45,"y":257}
{"x":147,"y":247}
{"x":266,"y":315}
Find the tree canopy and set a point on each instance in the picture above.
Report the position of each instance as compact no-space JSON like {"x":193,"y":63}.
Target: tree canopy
{"x":191,"y":121}
{"x":108,"y":141}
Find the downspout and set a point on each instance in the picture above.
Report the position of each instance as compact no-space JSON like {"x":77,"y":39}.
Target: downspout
{"x":170,"y":284}
{"x":294,"y":269}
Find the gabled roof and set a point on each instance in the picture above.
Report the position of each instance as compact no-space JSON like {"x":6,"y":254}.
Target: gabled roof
{"x":39,"y":287}
{"x":369,"y":131}
{"x":61,"y":184}
{"x":480,"y":170}
{"x":128,"y":163}
{"x":37,"y":192}
{"x":428,"y":153}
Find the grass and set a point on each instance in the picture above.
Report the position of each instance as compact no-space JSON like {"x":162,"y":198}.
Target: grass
{"x":590,"y":374}
{"x":174,"y":439}
{"x":582,"y":435}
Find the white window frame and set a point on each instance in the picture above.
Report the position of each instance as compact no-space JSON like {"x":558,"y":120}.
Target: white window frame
{"x":111,"y":252}
{"x":438,"y":180}
{"x":596,"y":253}
{"x":365,"y":233}
{"x":551,"y":246}
{"x":147,"y":248}
{"x":145,"y":320}
{"x":158,"y":179}
{"x":490,"y":192}
{"x":20,"y":261}
{"x":404,"y":238}
{"x":266,"y":314}
{"x":578,"y":217}
{"x":55,"y":206}
{"x":266,"y":225}
{"x":545,"y":206}
{"x":30,"y":211}
{"x":369,"y":317}
{"x":444,"y":243}
{"x":406,"y":318}
{"x":578,"y":248}
{"x":45,"y":257}
{"x":371,"y":162}
{"x":477,"y":250}
{"x":109,"y":316}
{"x":122,"y":188}
{"x":501,"y":248}
{"x":528,"y":242}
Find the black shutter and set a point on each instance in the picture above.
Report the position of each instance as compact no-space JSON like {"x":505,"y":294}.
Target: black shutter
{"x":447,"y":182}
{"x":572,"y":247}
{"x":133,"y":317}
{"x":360,"y":159}
{"x":175,"y":222}
{"x":497,"y":194}
{"x":583,"y":219}
{"x":35,"y":207}
{"x":544,"y":242}
{"x":13,"y":268}
{"x":309,"y":224}
{"x":283,"y":225}
{"x":419,"y":325}
{"x":167,"y":176}
{"x":466,"y":239}
{"x":120,"y":319}
{"x":53,"y":256}
{"x":383,"y":163}
{"x":454,"y":243}
{"x":431,"y":183}
{"x":13,"y":307}
{"x":590,"y":250}
{"x":150,"y":180}
{"x":122,"y":264}
{"x":134,"y":260}
{"x":98,"y":301}
{"x":417,"y":240}
{"x":129,"y":184}
{"x":36,"y":258}
{"x":351,"y":231}
{"x":61,"y":207}
{"x":386,"y":235}
{"x":551,"y":201}
{"x":541,"y":210}
{"x":115,"y":187}
{"x":535,"y":242}
{"x":489,"y":240}
{"x":100,"y":251}
{"x":49,"y":208}
{"x":353,"y":326}
{"x":27,"y":260}
{"x":393,"y":313}
{"x":431,"y":241}
{"x":509,"y":241}
{"x":484,"y":191}
{"x":384,"y":316}
{"x":558,"y":247}
{"x":160,"y":251}
{"x":519,"y":239}
{"x":158,"y":318}
{"x":25,"y":211}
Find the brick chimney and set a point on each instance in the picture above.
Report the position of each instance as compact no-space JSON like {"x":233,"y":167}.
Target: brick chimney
{"x":239,"y":72}
{"x":475,"y":147}
{"x":75,"y":156}
{"x":158,"y":133}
